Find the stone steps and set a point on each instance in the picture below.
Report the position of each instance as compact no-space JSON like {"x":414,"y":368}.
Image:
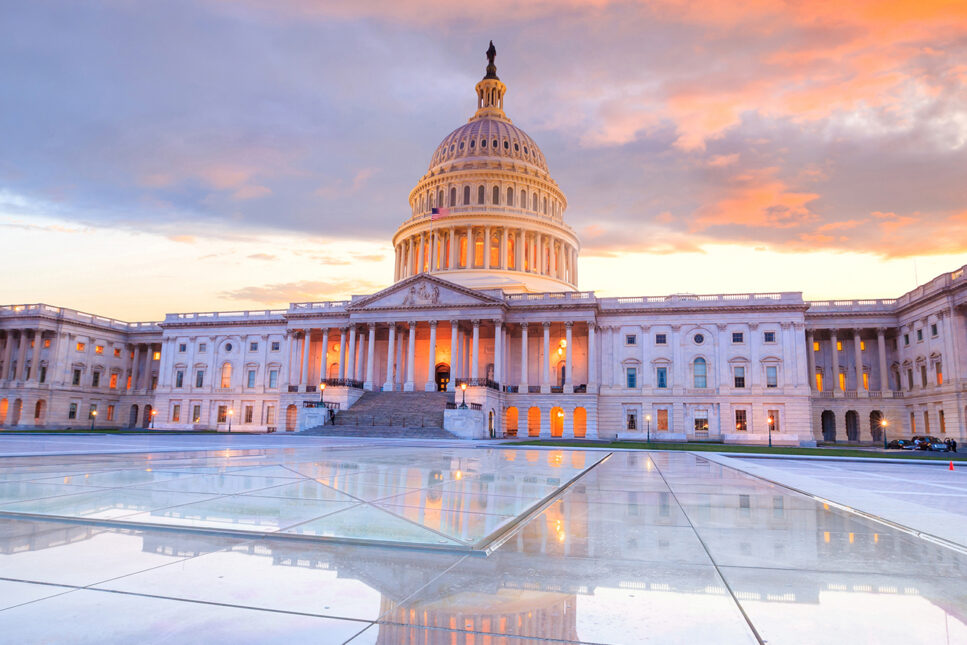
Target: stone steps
{"x":380,"y":431}
{"x":396,"y":409}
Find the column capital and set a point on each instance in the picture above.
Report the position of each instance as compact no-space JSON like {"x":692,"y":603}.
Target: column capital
{"x":811,"y":331}
{"x":568,"y":324}
{"x":497,"y":322}
{"x":475,"y":322}
{"x":433,"y":324}
{"x":857,"y":330}
{"x":344,"y":329}
{"x":411,"y":324}
{"x":721,"y":326}
{"x":523,"y":325}
{"x":785,"y":324}
{"x":881,"y":331}
{"x":371,"y":325}
{"x":546,"y":325}
{"x":753,"y":325}
{"x":592,"y":325}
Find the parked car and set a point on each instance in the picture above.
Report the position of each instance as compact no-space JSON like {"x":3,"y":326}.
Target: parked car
{"x":933,"y":444}
{"x":900,"y":444}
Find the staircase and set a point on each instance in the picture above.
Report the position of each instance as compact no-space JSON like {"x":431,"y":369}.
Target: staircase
{"x":392,"y":414}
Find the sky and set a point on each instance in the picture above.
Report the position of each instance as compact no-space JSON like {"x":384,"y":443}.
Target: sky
{"x":226,"y":155}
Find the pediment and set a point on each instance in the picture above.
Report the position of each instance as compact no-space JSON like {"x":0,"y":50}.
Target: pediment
{"x":424,"y":292}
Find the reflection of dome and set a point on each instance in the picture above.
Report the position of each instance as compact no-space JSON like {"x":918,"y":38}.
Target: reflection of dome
{"x":487,"y":213}
{"x":489,"y":138}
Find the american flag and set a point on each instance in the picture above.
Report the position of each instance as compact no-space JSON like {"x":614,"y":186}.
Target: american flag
{"x":437,"y":213}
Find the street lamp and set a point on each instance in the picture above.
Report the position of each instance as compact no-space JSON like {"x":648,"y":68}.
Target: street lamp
{"x":231,"y":413}
{"x":883,"y":425}
{"x":463,"y":388}
{"x":154,"y":413}
{"x":322,"y":394}
{"x":93,"y":417}
{"x":771,"y":422}
{"x":648,"y":421}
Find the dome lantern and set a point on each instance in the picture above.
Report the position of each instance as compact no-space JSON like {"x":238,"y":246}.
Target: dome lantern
{"x":490,"y":91}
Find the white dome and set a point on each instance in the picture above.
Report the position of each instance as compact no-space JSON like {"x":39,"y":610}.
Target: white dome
{"x":488,"y":138}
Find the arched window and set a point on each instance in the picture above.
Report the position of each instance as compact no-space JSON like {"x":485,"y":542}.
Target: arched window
{"x":466,"y":195}
{"x":523,"y":199}
{"x":545,"y":205}
{"x":480,"y":194}
{"x":453,"y":197}
{"x":700,"y":373}
{"x":510,"y":196}
{"x":535,"y":203}
{"x":439,"y":198}
{"x":226,"y":375}
{"x":496,"y":195}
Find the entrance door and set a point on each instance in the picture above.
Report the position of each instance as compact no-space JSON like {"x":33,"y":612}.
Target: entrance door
{"x":829,"y":425}
{"x":852,"y":426}
{"x":442,"y":377}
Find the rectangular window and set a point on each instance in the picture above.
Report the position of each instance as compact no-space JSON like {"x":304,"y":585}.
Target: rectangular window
{"x":701,"y":420}
{"x":842,"y":381}
{"x":76,"y":378}
{"x":222,"y":413}
{"x":933,"y":330}
{"x":937,"y":365}
{"x":926,"y":422}
{"x":196,"y":414}
{"x":81,"y":347}
{"x":906,"y":339}
{"x":815,"y":345}
{"x":738,"y":337}
{"x":251,"y":378}
{"x":769,"y":337}
{"x":96,"y":379}
{"x":248,"y":414}
{"x":43,"y":373}
{"x":200,"y":378}
{"x":862,"y":345}
{"x":663,"y":420}
{"x":631,"y":339}
{"x":253,"y":347}
{"x":175,"y":413}
{"x":180,"y":378}
{"x":631,"y":421}
{"x":113,"y":382}
{"x":739,"y":375}
{"x":839,"y":345}
{"x":110,"y":413}
{"x":117,"y":353}
{"x":202,"y":347}
{"x":274,"y":378}
{"x":866,"y":380}
{"x":72,"y":411}
{"x":631,"y":376}
{"x":154,"y":381}
{"x":772,"y":376}
{"x":270,"y":414}
{"x":661,"y":377}
{"x":99,"y":349}
{"x":92,"y":412}
{"x":773,"y":420}
{"x":46,"y":342}
{"x":893,"y":343}
{"x":923,"y":376}
{"x":819,"y":381}
{"x":919,"y":335}
{"x":943,"y":422}
{"x":156,"y":356}
{"x":741,"y":422}
{"x":127,"y":385}
{"x":275,"y":345}
{"x":913,"y":423}
{"x":182,"y":348}
{"x":661,"y":339}
{"x":909,"y":378}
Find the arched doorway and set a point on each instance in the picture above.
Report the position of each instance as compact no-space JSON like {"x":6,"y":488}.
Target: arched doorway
{"x":829,"y":425}
{"x":333,"y":370}
{"x":876,"y":425}
{"x":18,"y":405}
{"x":491,"y":427}
{"x":442,"y":377}
{"x":40,"y":412}
{"x":580,"y":423}
{"x":534,"y":422}
{"x":290,"y":418}
{"x":557,"y":422}
{"x":510,"y":423}
{"x":146,"y":419}
{"x":852,"y":426}
{"x":4,"y":407}
{"x":133,"y":418}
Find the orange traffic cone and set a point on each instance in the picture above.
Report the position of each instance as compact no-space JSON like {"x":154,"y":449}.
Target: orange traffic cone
{"x":951,"y":466}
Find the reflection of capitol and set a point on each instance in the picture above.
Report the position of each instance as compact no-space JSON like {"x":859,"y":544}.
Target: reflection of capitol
{"x":534,"y":583}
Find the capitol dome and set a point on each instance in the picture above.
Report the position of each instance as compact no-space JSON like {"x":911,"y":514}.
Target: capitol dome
{"x":487,"y":214}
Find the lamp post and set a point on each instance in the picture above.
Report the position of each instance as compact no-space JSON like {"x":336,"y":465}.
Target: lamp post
{"x":231,"y":413}
{"x":154,"y":413}
{"x":648,"y":422}
{"x":771,"y":421}
{"x":883,"y":425}
{"x":322,"y":394}
{"x":463,"y":388}
{"x":93,"y":418}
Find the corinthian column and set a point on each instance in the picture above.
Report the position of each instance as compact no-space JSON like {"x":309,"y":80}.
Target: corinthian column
{"x":546,"y":362}
{"x":390,"y":358}
{"x":371,"y":359}
{"x":522,"y":387}
{"x":431,"y":360}
{"x":568,"y":381}
{"x":408,"y":386}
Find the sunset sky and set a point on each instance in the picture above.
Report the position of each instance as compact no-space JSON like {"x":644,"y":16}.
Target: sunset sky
{"x":224,"y":155}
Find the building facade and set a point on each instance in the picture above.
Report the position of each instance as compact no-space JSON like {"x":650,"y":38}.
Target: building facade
{"x":485,"y":294}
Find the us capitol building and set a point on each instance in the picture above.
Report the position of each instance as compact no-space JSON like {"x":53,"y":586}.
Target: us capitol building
{"x":485,"y":295}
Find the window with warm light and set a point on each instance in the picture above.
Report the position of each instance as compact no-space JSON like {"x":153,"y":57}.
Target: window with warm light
{"x":741,"y":422}
{"x":815,"y":345}
{"x":866,"y":380}
{"x":270,"y":414}
{"x":839,"y":345}
{"x":631,"y":421}
{"x":110,"y":413}
{"x":156,"y":356}
{"x":92,"y":411}
{"x":774,"y":415}
{"x":222,"y":413}
{"x":175,"y":413}
{"x":81,"y":347}
{"x":226,"y":375}
{"x":196,"y":414}
{"x":113,"y":382}
{"x":99,"y":349}
{"x":943,"y":422}
{"x":662,"y":415}
{"x":842,"y":381}
{"x":117,"y":352}
{"x":127,"y":384}
{"x":819,"y":381}
{"x":247,"y":417}
{"x":862,"y":345}
{"x":46,"y":343}
{"x":939,"y":370}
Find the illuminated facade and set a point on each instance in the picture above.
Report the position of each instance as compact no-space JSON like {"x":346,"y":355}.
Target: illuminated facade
{"x":485,"y":293}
